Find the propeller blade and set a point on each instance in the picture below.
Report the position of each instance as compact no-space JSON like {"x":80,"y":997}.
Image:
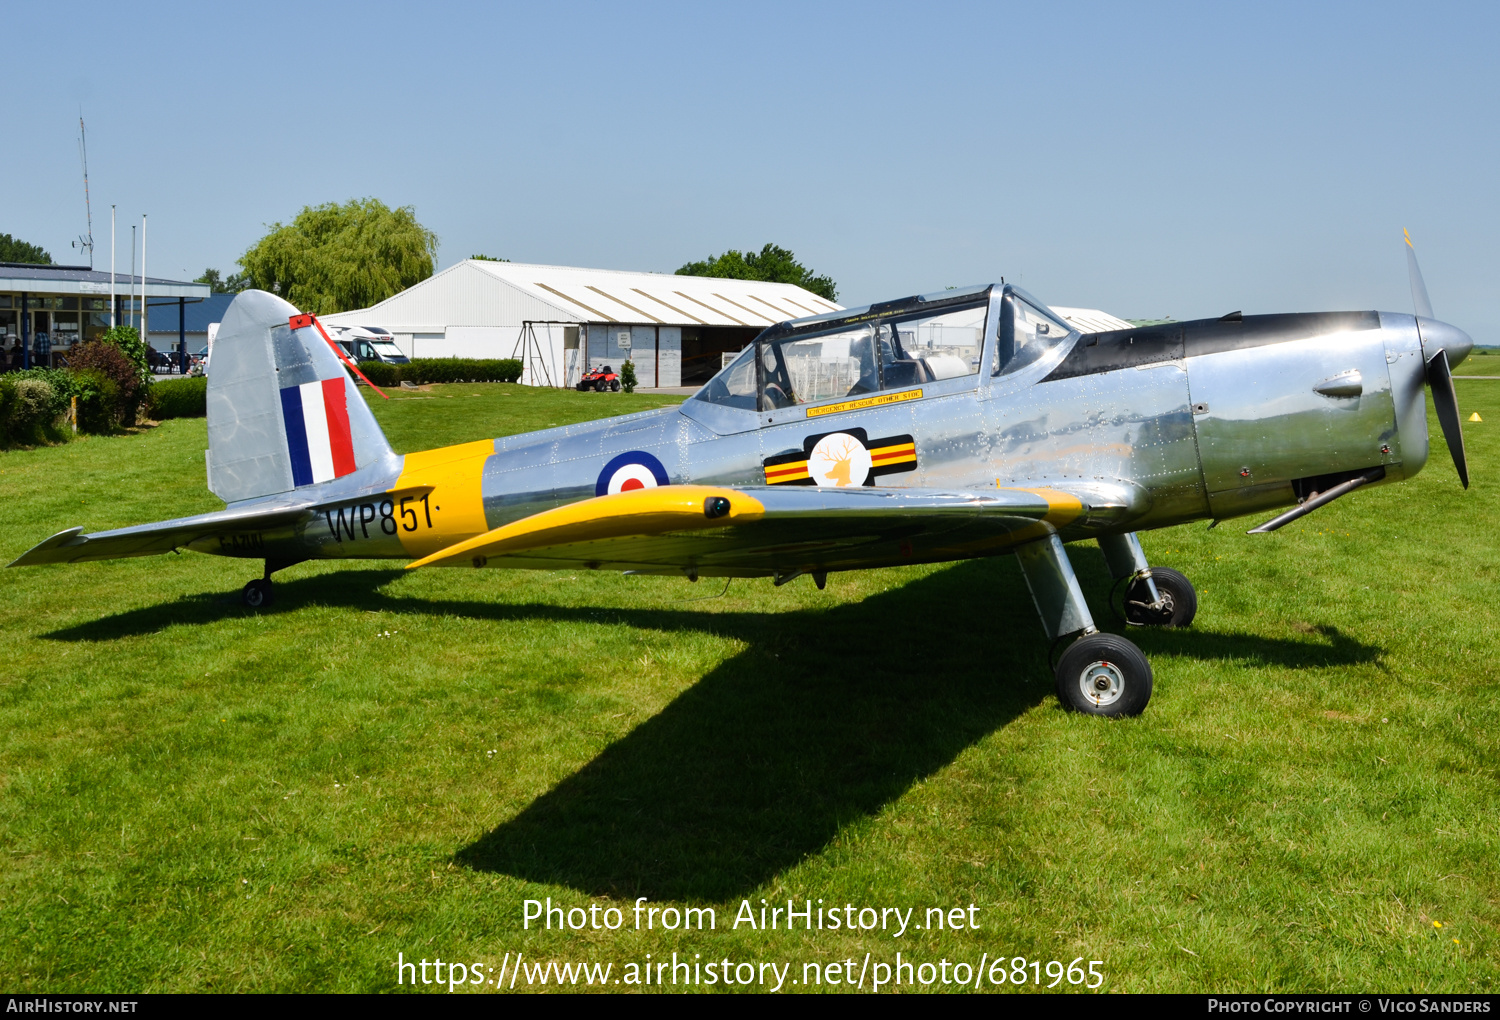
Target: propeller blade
{"x":1445,"y":403}
{"x":1419,"y":298}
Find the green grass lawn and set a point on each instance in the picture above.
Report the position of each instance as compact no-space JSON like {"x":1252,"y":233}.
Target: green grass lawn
{"x":195,"y":796}
{"x":1480,"y":362}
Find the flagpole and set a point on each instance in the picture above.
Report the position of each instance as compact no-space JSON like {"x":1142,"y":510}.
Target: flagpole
{"x":144,"y":324}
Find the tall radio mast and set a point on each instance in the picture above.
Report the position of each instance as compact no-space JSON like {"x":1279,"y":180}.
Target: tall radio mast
{"x":85,"y":241}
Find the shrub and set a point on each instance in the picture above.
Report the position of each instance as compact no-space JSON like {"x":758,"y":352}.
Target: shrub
{"x":178,"y":398}
{"x":628,"y":380}
{"x":31,"y":403}
{"x":112,"y":361}
{"x":57,"y":379}
{"x":98,"y":399}
{"x":30,"y":409}
{"x":128,"y":340}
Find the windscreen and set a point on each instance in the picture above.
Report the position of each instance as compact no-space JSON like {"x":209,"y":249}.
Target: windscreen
{"x":735,"y":386}
{"x":1027,"y":331}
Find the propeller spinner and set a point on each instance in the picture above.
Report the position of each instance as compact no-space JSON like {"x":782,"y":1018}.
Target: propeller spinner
{"x":1438,"y":340}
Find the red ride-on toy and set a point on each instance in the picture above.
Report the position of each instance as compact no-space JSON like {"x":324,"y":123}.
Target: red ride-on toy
{"x":600,"y":380}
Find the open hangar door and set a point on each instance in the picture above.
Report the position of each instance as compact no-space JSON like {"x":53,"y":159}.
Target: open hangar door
{"x":704,"y":347}
{"x":666,"y":355}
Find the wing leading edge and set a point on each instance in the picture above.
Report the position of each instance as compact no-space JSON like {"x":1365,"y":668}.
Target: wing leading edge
{"x":757,"y":531}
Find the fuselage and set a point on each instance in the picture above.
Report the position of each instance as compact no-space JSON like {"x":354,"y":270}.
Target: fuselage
{"x":1204,"y":419}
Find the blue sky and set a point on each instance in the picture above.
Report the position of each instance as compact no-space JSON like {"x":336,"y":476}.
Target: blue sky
{"x":1183,"y":160}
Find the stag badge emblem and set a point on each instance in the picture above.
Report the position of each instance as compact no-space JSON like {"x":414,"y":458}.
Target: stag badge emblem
{"x":839,"y":460}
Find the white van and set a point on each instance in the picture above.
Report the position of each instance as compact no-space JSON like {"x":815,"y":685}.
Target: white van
{"x":368,"y":343}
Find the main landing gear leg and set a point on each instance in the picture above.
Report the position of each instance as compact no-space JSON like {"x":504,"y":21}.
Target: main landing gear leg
{"x":1099,"y":674}
{"x":257,"y":594}
{"x":1154,"y":596}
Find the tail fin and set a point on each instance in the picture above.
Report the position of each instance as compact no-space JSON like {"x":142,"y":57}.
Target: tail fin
{"x":282,"y":412}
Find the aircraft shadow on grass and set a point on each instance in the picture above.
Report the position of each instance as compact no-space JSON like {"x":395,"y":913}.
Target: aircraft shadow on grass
{"x":827,"y":716}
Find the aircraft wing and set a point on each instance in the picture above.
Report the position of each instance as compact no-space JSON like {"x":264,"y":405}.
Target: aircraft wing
{"x":757,"y":531}
{"x":72,"y":546}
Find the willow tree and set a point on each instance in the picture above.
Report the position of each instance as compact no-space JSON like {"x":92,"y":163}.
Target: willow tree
{"x":332,"y":257}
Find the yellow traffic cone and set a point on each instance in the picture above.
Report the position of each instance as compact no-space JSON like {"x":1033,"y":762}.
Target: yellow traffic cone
{"x":1475,"y":417}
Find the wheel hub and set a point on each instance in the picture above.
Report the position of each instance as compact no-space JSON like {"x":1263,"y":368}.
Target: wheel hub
{"x":1101,"y":683}
{"x":1145,"y":612}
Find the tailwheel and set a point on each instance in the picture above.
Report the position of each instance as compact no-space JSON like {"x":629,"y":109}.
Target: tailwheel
{"x":1176,"y":606}
{"x":257,"y":593}
{"x":1104,"y":674}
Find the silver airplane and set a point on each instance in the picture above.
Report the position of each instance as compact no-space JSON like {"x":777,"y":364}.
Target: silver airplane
{"x":939,"y":427}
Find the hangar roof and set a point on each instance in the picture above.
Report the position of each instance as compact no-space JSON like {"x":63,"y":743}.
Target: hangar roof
{"x":481,"y":293}
{"x":1090,"y":320}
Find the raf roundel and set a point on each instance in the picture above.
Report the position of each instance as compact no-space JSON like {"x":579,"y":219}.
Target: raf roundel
{"x":634,"y":470}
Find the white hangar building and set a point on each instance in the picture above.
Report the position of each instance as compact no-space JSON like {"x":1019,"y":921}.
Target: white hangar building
{"x":563,"y":320}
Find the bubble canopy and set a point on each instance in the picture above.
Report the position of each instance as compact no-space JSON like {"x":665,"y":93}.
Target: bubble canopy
{"x":920,"y":340}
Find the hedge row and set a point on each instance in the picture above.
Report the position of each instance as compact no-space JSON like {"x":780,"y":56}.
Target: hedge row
{"x":188,"y":398}
{"x":35,"y":403}
{"x":178,"y":398}
{"x":420,"y":371}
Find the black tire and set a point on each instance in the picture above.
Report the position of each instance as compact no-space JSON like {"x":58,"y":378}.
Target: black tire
{"x":1104,"y":674}
{"x":600,"y":386}
{"x":257,"y":594}
{"x":615,"y":386}
{"x":1177,"y":594}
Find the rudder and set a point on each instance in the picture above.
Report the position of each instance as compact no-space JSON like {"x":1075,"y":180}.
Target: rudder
{"x":282,"y":411}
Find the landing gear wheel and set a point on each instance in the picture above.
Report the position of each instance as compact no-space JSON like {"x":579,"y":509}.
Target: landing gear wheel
{"x":1104,"y":674}
{"x":257,"y":594}
{"x":1179,"y":600}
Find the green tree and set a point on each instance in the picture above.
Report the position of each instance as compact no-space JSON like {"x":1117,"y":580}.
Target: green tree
{"x":219,"y":285}
{"x":332,"y":258}
{"x":128,"y":340}
{"x":772,"y":263}
{"x":488,"y":258}
{"x":13,"y":249}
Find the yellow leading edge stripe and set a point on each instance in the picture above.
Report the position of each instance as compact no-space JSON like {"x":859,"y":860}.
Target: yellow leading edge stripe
{"x":1062,"y":507}
{"x":641,"y":512}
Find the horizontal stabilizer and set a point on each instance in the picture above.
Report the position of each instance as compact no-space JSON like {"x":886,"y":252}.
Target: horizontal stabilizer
{"x":72,"y":546}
